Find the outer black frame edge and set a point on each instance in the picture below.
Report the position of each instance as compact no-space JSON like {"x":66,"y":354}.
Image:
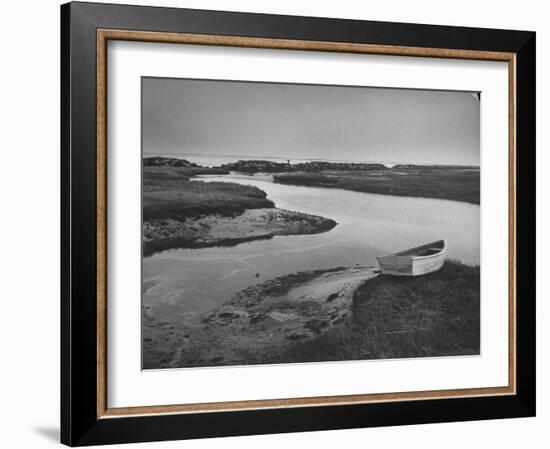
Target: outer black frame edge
{"x":526,"y":222}
{"x":65,"y":405}
{"x":271,"y":421}
{"x":79,"y":424}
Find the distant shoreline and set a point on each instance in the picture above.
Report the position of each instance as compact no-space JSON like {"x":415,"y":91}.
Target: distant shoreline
{"x":215,"y":160}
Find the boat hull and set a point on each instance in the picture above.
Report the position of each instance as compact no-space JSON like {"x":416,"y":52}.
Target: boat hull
{"x":406,"y":265}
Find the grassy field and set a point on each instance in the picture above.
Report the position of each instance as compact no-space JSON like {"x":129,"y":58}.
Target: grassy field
{"x":451,"y":183}
{"x":168,"y":192}
{"x":400,"y":317}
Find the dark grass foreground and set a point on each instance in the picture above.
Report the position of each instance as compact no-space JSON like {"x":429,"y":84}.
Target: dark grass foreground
{"x":400,"y":317}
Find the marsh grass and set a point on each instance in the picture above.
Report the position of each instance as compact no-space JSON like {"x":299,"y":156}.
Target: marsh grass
{"x":401,"y":317}
{"x":451,"y":183}
{"x":168,"y":192}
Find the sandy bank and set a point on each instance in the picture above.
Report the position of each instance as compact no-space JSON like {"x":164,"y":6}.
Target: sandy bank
{"x":223,"y":230}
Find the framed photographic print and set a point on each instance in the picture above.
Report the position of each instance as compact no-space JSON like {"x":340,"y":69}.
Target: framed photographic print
{"x":278,"y":224}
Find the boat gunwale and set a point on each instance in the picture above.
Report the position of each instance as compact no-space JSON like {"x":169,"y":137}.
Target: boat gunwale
{"x":439,"y":253}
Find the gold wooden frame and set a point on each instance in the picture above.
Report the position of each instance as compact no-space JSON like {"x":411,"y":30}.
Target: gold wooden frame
{"x":104,"y":35}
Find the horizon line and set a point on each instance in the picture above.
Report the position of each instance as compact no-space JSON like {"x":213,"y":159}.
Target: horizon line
{"x":258,"y":158}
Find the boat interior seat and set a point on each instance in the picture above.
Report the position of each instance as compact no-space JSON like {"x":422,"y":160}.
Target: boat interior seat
{"x":427,"y":251}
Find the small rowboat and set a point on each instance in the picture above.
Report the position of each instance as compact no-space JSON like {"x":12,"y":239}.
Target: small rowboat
{"x":415,"y":261}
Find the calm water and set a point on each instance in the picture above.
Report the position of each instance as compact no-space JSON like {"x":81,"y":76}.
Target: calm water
{"x":188,"y":281}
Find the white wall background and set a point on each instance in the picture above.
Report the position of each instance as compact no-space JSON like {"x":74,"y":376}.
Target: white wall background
{"x":29,"y":231}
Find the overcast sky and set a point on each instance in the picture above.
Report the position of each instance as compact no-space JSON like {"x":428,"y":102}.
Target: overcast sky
{"x":307,"y":122}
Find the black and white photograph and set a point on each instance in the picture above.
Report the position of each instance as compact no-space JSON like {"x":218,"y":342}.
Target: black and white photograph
{"x":292,"y":223}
